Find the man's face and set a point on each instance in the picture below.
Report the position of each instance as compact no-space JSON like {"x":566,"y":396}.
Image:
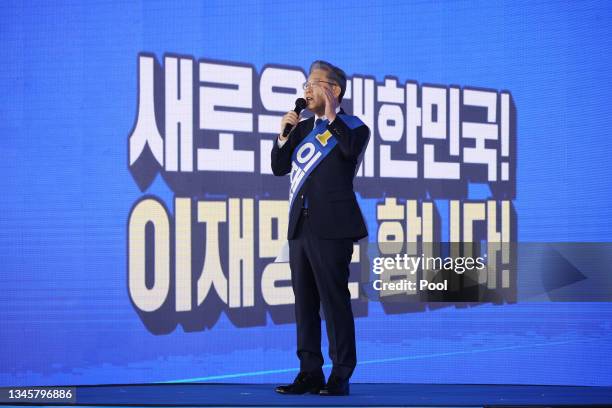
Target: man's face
{"x":314,"y":94}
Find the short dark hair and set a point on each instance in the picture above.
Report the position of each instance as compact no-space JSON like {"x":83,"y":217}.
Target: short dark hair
{"x":333,"y":72}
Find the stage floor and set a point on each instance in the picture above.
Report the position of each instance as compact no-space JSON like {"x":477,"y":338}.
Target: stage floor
{"x":437,"y":395}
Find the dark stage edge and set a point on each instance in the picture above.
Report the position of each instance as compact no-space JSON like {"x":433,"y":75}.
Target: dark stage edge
{"x":380,"y":395}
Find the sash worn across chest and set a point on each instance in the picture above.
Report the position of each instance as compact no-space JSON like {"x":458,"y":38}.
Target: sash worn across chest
{"x":311,"y":151}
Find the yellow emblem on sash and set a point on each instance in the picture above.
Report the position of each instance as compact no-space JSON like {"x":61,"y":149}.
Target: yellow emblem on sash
{"x":323,"y":137}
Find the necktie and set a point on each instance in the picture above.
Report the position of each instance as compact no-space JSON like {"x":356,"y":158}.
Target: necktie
{"x":318,"y":122}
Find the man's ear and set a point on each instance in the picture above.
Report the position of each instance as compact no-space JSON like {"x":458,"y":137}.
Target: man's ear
{"x":337,"y":91}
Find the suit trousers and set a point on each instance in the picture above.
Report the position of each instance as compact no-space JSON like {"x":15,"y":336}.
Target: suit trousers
{"x":319,"y":276}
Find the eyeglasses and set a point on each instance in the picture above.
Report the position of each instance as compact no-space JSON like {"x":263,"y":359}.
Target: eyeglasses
{"x":308,"y":84}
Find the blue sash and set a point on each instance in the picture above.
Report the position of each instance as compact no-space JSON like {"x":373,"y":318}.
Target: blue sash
{"x":307,"y":156}
{"x":312,"y":150}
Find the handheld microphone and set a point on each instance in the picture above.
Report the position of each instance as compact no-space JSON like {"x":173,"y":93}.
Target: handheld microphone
{"x":300,"y":104}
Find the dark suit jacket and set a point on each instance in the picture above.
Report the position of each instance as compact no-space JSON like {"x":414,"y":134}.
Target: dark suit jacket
{"x":332,"y":207}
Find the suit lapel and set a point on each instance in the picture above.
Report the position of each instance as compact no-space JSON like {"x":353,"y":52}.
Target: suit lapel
{"x":307,"y":127}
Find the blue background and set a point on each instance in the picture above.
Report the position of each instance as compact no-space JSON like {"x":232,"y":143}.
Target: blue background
{"x":68,"y":81}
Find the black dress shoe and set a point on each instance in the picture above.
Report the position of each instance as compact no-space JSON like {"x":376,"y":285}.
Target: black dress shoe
{"x":335,"y":386}
{"x":303,"y":383}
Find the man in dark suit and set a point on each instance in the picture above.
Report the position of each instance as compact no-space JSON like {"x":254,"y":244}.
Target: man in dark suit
{"x":324,"y":221}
